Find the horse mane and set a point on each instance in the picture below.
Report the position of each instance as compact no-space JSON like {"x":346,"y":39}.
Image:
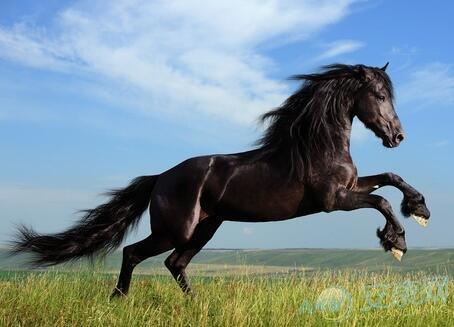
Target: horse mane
{"x":307,"y":123}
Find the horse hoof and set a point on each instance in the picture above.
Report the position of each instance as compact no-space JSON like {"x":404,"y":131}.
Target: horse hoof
{"x":397,"y":253}
{"x":188,"y":292}
{"x":117,"y":294}
{"x":423,"y":221}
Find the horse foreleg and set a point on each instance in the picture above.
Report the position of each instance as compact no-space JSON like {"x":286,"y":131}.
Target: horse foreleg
{"x":182,"y":255}
{"x":413,"y":203}
{"x":392,"y":237}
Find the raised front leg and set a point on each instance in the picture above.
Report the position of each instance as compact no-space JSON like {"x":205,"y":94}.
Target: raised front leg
{"x":413,"y":203}
{"x":392,"y":237}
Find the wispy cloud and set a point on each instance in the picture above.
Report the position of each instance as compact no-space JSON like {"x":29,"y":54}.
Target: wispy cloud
{"x":340,"y":47}
{"x":432,"y":85}
{"x":441,"y":143}
{"x":189,"y":55}
{"x":403,"y":56}
{"x":404,"y":50}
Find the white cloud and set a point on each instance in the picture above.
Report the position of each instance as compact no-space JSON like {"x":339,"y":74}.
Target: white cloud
{"x":340,"y":47}
{"x":188,"y":55}
{"x":430,"y":86}
{"x":441,"y":144}
{"x":27,"y":47}
{"x":404,"y":50}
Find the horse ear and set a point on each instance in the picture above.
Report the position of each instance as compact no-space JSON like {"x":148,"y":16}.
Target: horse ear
{"x":385,"y":66}
{"x":364,"y":74}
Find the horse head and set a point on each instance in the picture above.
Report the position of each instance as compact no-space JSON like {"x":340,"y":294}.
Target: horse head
{"x":374,"y":105}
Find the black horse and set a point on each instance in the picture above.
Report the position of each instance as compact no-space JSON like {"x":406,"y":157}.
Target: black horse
{"x":302,"y":165}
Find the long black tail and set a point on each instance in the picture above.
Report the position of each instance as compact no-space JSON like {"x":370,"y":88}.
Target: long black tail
{"x":100,"y":229}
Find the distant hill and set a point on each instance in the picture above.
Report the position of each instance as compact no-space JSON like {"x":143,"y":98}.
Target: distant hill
{"x":438,"y":261}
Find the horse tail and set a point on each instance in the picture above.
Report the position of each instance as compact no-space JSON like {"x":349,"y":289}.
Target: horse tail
{"x":101,"y":229}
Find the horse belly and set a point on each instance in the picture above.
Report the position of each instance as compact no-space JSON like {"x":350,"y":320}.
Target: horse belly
{"x":259,"y":200}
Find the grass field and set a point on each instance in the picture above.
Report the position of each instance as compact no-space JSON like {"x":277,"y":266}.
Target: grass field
{"x":242,"y":288}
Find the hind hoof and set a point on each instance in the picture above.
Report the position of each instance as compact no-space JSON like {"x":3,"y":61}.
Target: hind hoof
{"x":117,"y":293}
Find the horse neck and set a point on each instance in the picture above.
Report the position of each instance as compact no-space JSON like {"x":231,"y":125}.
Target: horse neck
{"x":341,"y":138}
{"x":340,"y":153}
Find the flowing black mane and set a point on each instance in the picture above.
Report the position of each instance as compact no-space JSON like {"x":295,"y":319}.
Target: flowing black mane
{"x":307,"y":122}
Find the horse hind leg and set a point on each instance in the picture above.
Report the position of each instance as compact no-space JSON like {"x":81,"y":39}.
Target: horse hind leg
{"x":178,"y":270}
{"x":182,"y":255}
{"x":134,"y":254}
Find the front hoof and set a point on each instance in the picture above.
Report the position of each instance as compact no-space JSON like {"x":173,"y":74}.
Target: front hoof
{"x":416,"y":208}
{"x":423,"y":221}
{"x":397,"y":253}
{"x":392,"y":241}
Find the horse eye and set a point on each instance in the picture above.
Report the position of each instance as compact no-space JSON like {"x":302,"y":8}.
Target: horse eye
{"x":381,"y":98}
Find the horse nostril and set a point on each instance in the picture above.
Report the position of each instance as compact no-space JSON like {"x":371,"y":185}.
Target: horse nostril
{"x":399,"y":138}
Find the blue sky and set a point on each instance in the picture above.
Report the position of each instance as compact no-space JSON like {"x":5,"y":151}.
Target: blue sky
{"x":93,"y":94}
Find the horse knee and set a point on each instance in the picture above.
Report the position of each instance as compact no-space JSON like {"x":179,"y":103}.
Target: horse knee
{"x":174,"y":265}
{"x":393,"y":178}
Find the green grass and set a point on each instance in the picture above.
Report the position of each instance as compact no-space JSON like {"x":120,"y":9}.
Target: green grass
{"x":289,"y":287}
{"x":82,"y":299}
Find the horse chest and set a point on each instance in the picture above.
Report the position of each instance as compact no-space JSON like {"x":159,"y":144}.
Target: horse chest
{"x":341,"y":173}
{"x":347,"y":175}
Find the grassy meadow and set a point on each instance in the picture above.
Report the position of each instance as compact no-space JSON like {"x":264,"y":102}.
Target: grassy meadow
{"x":240,"y":288}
